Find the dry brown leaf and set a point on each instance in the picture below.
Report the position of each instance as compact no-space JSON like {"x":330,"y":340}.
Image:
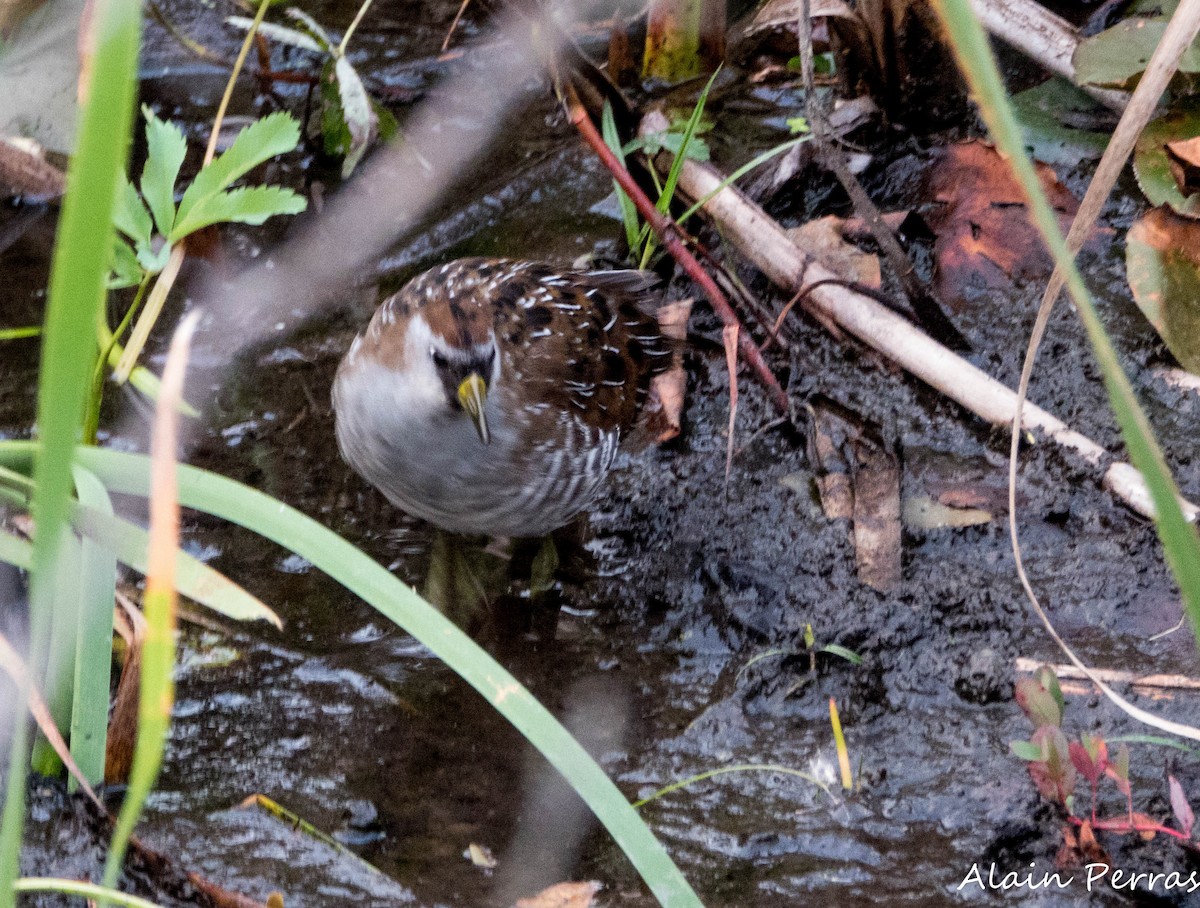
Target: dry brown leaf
{"x":877,"y":548}
{"x":25,"y":172}
{"x":925,"y":513}
{"x":981,"y":222}
{"x":1184,"y":160}
{"x":824,"y":237}
{"x":123,"y":719}
{"x":563,"y":895}
{"x":663,"y":409}
{"x":1092,"y":851}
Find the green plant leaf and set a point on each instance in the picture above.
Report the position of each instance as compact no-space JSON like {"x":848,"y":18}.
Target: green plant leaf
{"x":387,"y":127}
{"x":356,"y":111}
{"x":131,"y":217}
{"x":126,"y":271}
{"x":1117,"y":57}
{"x":1162,"y":264}
{"x":93,"y":643}
{"x":275,"y":134}
{"x":1027,"y":750}
{"x":1055,"y":774}
{"x":1038,"y":704}
{"x":166,"y":148}
{"x":154,"y":259}
{"x":1118,"y":769}
{"x":835,"y":649}
{"x":245,"y":205}
{"x":313,"y":27}
{"x":629,"y":215}
{"x":1045,"y":112}
{"x":1152,"y":167}
{"x":283,"y":34}
{"x":1049,"y":680}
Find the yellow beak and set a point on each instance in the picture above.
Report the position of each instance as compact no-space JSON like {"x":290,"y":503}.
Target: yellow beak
{"x":472,"y":394}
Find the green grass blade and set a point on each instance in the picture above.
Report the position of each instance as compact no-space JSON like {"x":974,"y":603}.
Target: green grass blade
{"x":722,"y":770}
{"x":89,"y":891}
{"x":129,"y":543}
{"x":127,"y":474}
{"x":1180,"y":542}
{"x":193,"y":578}
{"x":11,"y":334}
{"x":689,"y":134}
{"x":60,"y":660}
{"x":93,"y":643}
{"x":15,"y":551}
{"x":629,"y":215}
{"x":81,"y":258}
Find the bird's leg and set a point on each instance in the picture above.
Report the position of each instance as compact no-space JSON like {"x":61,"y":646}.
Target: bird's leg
{"x":453,"y":585}
{"x":543,"y":569}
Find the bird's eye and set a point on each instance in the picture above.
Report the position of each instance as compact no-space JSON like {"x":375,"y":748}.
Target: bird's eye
{"x":438,"y":360}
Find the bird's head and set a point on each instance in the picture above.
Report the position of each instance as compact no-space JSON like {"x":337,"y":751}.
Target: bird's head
{"x":458,"y":347}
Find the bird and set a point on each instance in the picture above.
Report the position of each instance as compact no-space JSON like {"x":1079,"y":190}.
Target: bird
{"x":490,"y":396}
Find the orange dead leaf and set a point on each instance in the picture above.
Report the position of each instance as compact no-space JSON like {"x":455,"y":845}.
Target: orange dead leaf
{"x":981,"y":222}
{"x":1184,"y":159}
{"x":563,"y":895}
{"x":664,"y":407}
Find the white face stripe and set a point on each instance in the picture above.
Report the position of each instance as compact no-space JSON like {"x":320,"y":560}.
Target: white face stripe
{"x":422,"y":343}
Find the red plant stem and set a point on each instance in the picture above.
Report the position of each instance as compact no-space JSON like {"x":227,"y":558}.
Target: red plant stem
{"x":1127,"y":825}
{"x":668,"y":232}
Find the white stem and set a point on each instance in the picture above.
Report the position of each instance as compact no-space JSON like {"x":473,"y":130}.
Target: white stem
{"x":1042,"y":36}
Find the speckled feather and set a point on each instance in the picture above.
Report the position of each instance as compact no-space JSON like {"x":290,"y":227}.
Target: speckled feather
{"x":576,"y":354}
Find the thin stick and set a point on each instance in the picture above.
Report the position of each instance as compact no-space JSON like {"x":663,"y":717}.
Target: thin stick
{"x":668,"y":233}
{"x":1112,"y":676}
{"x":362,"y":11}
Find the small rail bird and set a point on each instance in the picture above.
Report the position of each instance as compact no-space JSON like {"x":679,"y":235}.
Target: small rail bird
{"x":489,"y":396}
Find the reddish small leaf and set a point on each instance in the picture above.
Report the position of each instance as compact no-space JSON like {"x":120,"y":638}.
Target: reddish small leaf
{"x":1083,"y":762}
{"x":1055,"y":776}
{"x":1118,"y":770}
{"x":1180,"y":807}
{"x":1097,"y":749}
{"x":1038,"y":703}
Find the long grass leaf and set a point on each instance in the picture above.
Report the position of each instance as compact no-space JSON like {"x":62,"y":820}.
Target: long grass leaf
{"x":126,"y":474}
{"x":629,"y":215}
{"x":81,"y":258}
{"x":15,"y":550}
{"x":156,"y":694}
{"x":90,"y":891}
{"x":60,"y":660}
{"x":129,"y":543}
{"x":93,"y":643}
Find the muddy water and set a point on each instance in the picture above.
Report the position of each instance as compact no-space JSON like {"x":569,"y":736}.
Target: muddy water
{"x":681,"y":580}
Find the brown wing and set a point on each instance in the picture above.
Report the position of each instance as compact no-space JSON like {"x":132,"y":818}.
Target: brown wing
{"x":581,"y":342}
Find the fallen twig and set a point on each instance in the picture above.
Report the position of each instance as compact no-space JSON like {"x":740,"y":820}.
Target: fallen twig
{"x":763,"y":242}
{"x":1027,"y":666}
{"x":1043,"y":37}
